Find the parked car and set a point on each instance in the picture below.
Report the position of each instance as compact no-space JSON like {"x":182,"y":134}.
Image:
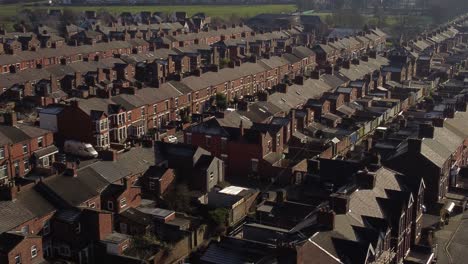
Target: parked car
{"x":172,"y":139}
{"x":80,"y":149}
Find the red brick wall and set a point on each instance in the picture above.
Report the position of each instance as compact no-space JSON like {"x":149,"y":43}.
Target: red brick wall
{"x":24,"y":250}
{"x":75,"y":124}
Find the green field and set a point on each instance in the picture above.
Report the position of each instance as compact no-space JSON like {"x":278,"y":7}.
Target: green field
{"x":223,"y":11}
{"x":8,"y":12}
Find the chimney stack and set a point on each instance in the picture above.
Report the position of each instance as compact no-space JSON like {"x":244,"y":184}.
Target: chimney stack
{"x":10,"y":118}
{"x":340,"y":203}
{"x":426,"y":130}
{"x":365,"y":179}
{"x":326,"y":219}
{"x":241,"y":128}
{"x":414,"y":145}
{"x":9,"y":192}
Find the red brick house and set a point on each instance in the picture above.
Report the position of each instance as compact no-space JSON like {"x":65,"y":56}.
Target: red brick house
{"x":24,"y":148}
{"x":247,"y":149}
{"x":17,"y":248}
{"x":117,"y":198}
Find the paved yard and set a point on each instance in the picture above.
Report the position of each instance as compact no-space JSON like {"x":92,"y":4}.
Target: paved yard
{"x":453,"y":241}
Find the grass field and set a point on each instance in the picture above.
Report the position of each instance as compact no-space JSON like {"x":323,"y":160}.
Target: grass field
{"x":223,"y":11}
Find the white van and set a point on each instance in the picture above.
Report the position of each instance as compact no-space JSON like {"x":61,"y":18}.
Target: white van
{"x":81,"y":149}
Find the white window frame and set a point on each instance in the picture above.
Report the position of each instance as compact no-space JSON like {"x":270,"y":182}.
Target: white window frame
{"x":18,"y":259}
{"x":45,"y":161}
{"x":25,"y":146}
{"x":33,"y":251}
{"x":123,"y":202}
{"x":3,"y":171}
{"x":40,"y":142}
{"x":27,"y":165}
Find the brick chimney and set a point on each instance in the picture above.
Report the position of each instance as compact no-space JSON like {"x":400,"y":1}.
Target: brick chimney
{"x":53,"y":83}
{"x":326,"y":219}
{"x":426,"y":130}
{"x":71,"y":169}
{"x":241,"y":128}
{"x":74,"y":103}
{"x":9,"y":192}
{"x":414,"y":145}
{"x":299,"y":80}
{"x":78,"y":79}
{"x":282,"y":88}
{"x":365,"y":179}
{"x":346,"y":64}
{"x":10,"y":118}
{"x":340,"y":203}
{"x":315,"y":75}
{"x":101,"y":76}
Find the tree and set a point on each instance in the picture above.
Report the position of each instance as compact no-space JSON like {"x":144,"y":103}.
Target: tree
{"x":145,"y":246}
{"x":178,"y":199}
{"x":219,"y":218}
{"x":221,"y":101}
{"x":339,"y":4}
{"x":224,"y":62}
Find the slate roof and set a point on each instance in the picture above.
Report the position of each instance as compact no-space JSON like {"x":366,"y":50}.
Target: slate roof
{"x":28,"y":205}
{"x":19,"y":133}
{"x":8,"y":241}
{"x":362,"y":226}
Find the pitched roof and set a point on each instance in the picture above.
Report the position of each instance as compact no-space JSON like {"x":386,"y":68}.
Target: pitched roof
{"x":28,"y":205}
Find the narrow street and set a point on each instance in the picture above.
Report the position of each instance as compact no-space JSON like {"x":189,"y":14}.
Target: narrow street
{"x":453,"y":240}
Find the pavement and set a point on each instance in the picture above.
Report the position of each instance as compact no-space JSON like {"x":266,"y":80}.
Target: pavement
{"x":453,"y":241}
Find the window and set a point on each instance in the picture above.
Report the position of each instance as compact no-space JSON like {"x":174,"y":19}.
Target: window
{"x":40,"y":142}
{"x":25,"y":148}
{"x":142,"y":109}
{"x":254,"y":165}
{"x":103,"y":125}
{"x":278,"y":139}
{"x":176,"y":101}
{"x":211,"y":176}
{"x":167,"y":105}
{"x":18,"y":259}
{"x":64,"y":250}
{"x":129,"y":116}
{"x":46,"y":228}
{"x":78,"y":228}
{"x":3,"y":171}
{"x":121,"y":118}
{"x":92,"y":205}
{"x":123,"y":202}
{"x":2,"y":153}
{"x":26,"y":165}
{"x":110,"y":205}
{"x":33,"y":251}
{"x":45,"y":161}
{"x":155,"y":108}
{"x":25,"y":230}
